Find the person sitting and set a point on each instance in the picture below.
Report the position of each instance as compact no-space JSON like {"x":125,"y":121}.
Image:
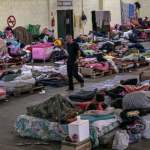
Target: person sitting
{"x":96,"y":104}
{"x":136,"y":23}
{"x":144,"y":24}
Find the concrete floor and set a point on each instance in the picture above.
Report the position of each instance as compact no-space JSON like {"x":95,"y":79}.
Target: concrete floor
{"x":9,"y":111}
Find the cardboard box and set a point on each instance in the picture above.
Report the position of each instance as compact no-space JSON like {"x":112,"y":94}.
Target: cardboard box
{"x":144,"y":74}
{"x":84,"y":145}
{"x":86,"y":71}
{"x":119,"y":47}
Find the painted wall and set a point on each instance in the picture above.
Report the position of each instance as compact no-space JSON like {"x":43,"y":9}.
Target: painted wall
{"x":25,"y":11}
{"x":114,"y":7}
{"x":144,"y":10}
{"x":89,"y":5}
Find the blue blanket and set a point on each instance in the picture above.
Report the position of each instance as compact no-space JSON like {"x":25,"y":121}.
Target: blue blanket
{"x":131,"y":11}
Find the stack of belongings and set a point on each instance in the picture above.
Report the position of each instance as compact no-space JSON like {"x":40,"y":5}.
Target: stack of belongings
{"x":53,"y":114}
{"x":124,"y":58}
{"x":135,"y":106}
{"x":49,"y":75}
{"x":16,"y":51}
{"x":17,"y":80}
{"x":59,"y":51}
{"x":131,"y":102}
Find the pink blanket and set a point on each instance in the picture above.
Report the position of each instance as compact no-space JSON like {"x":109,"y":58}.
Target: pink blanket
{"x":99,"y":66}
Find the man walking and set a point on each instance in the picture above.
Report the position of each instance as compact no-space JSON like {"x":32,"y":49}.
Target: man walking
{"x":72,"y":62}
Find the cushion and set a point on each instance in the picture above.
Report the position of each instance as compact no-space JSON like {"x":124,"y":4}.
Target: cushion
{"x":108,"y":111}
{"x":34,"y":29}
{"x":96,"y":118}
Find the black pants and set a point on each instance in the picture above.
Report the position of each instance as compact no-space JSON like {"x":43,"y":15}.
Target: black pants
{"x":72,"y":70}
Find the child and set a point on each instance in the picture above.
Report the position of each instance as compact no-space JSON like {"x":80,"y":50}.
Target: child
{"x":96,"y":104}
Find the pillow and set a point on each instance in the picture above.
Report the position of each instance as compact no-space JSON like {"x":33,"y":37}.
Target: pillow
{"x":23,"y":77}
{"x":34,"y":29}
{"x":108,"y":111}
{"x":96,"y":118}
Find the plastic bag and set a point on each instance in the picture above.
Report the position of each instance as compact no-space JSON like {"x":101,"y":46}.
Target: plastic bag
{"x":146,"y":121}
{"x":121,"y":140}
{"x":134,"y":138}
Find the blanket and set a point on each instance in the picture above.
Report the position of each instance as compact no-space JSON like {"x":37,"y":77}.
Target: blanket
{"x":135,"y":100}
{"x":54,"y":109}
{"x":132,"y":88}
{"x":125,"y":12}
{"x":99,"y":66}
{"x":23,"y":35}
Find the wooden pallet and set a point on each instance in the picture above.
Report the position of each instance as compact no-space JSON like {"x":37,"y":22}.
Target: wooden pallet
{"x":10,"y":64}
{"x":29,"y":91}
{"x":98,"y":75}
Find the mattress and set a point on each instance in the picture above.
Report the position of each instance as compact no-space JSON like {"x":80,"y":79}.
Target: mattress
{"x":14,"y":84}
{"x":10,"y":90}
{"x":33,"y":127}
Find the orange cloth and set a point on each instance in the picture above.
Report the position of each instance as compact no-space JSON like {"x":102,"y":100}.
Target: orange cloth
{"x":136,"y":23}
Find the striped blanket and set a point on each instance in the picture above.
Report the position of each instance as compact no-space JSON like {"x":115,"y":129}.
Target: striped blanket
{"x":132,"y":88}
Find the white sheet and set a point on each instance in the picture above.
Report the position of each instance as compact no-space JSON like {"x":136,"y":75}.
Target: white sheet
{"x":103,"y":123}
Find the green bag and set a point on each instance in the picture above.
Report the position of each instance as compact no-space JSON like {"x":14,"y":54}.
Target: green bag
{"x":34,"y":29}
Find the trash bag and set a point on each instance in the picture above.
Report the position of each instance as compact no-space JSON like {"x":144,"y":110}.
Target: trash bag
{"x":133,"y":38}
{"x":121,"y":140}
{"x":146,"y":121}
{"x":134,"y":138}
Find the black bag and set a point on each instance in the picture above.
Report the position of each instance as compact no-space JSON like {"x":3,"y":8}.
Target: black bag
{"x":133,"y":38}
{"x":117,"y":103}
{"x":129,"y":82}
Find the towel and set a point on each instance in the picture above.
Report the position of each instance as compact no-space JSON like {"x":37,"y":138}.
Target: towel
{"x":131,"y":10}
{"x":99,"y":18}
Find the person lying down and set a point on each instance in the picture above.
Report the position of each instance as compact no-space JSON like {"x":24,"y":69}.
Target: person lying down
{"x":96,"y":104}
{"x":59,"y":109}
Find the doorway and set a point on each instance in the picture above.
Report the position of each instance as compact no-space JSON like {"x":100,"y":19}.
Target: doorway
{"x":65,"y":23}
